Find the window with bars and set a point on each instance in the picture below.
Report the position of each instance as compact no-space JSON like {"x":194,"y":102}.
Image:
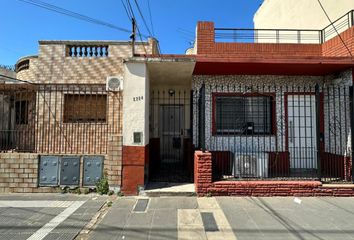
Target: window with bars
{"x":21,"y":112}
{"x":85,"y":108}
{"x":249,"y":115}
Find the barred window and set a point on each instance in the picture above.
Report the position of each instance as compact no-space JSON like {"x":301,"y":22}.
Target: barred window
{"x":83,"y":108}
{"x":21,"y":112}
{"x":244,"y":115}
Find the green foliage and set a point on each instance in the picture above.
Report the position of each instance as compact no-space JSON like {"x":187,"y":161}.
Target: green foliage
{"x":120,"y":194}
{"x":86,"y":191}
{"x":110,"y":192}
{"x":109,"y":204}
{"x":102,"y":186}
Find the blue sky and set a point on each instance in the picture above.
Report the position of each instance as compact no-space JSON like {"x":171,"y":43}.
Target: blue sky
{"x":174,"y":22}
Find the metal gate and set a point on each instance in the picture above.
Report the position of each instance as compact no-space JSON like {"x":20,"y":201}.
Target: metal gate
{"x":273,"y":131}
{"x":170,"y":143}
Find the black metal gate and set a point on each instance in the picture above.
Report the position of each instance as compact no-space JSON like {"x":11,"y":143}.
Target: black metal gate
{"x":170,"y":136}
{"x":276,"y":132}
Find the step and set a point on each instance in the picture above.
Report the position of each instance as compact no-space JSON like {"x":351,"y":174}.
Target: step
{"x":165,"y":189}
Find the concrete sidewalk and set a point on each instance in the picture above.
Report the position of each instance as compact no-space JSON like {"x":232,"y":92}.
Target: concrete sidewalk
{"x":228,"y":218}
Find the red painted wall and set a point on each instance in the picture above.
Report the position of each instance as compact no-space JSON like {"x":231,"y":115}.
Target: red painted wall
{"x":134,"y":160}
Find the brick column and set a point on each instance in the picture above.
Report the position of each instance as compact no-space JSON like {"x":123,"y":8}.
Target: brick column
{"x":202,"y":172}
{"x":205,"y":37}
{"x":113,"y":163}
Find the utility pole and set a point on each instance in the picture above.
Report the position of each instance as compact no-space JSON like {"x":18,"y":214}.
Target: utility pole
{"x":132,"y":37}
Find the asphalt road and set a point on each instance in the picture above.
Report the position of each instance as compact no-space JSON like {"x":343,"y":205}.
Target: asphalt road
{"x":63,"y":216}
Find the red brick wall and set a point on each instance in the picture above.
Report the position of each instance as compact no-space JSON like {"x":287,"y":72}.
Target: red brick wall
{"x":335,"y":47}
{"x":204,"y":184}
{"x":206,"y":45}
{"x":202,"y":171}
{"x":134,"y":160}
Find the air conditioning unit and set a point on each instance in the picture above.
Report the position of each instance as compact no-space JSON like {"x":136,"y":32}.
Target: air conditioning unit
{"x":251,"y":165}
{"x":114,"y":84}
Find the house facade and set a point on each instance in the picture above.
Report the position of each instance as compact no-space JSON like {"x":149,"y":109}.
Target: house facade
{"x":250,"y":112}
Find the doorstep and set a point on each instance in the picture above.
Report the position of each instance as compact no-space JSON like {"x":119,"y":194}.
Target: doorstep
{"x":160,"y":189}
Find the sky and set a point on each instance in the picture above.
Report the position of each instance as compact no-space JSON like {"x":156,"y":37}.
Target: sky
{"x":173,"y":21}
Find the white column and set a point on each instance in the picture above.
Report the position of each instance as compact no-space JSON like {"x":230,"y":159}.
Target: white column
{"x":135,"y":103}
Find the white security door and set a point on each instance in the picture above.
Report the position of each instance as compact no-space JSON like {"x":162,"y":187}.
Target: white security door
{"x":302,"y":131}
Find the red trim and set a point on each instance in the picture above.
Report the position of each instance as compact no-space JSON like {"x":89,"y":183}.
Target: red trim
{"x":227,"y":66}
{"x":286,"y":94}
{"x":237,"y":94}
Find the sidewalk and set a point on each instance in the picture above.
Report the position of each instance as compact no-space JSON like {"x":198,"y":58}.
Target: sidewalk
{"x":227,"y":218}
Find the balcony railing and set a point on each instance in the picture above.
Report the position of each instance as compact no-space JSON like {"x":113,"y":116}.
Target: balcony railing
{"x":87,"y":51}
{"x":299,"y":36}
{"x":8,"y":67}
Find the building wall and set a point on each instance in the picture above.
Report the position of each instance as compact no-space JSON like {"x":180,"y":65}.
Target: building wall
{"x":335,"y":47}
{"x":299,"y":14}
{"x":206,"y":45}
{"x":277,"y":85}
{"x":19,"y":171}
{"x":54,"y":66}
{"x":135,"y":120}
{"x":53,"y":135}
{"x":7,"y":72}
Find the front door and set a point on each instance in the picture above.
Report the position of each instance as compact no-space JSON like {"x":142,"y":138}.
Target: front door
{"x":171,"y":135}
{"x":302,"y":133}
{"x":172,"y":165}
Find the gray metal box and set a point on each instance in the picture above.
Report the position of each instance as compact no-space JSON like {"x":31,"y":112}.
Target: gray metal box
{"x":70,"y":171}
{"x":48,"y":170}
{"x":93,"y":167}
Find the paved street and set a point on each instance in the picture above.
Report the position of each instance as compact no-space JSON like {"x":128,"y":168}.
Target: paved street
{"x":63,"y":216}
{"x":229,"y":218}
{"x":45,"y":216}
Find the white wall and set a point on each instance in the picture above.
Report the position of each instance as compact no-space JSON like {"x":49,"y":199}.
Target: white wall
{"x":135,"y":103}
{"x":299,"y":14}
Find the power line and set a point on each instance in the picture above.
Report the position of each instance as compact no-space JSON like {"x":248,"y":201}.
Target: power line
{"x":329,"y":19}
{"x":126,"y":10}
{"x":136,"y":24}
{"x":152,"y":25}
{"x":142,"y":17}
{"x":72,"y":14}
{"x":130,"y":9}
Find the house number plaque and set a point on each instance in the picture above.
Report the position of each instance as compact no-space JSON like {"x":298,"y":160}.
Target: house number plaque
{"x":137,"y":99}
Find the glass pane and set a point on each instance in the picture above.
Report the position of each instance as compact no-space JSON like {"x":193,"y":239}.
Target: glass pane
{"x":246,"y":115}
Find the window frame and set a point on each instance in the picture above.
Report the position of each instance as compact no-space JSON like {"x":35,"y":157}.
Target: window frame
{"x":272,"y":95}
{"x":19,"y":115}
{"x":64,"y":111}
